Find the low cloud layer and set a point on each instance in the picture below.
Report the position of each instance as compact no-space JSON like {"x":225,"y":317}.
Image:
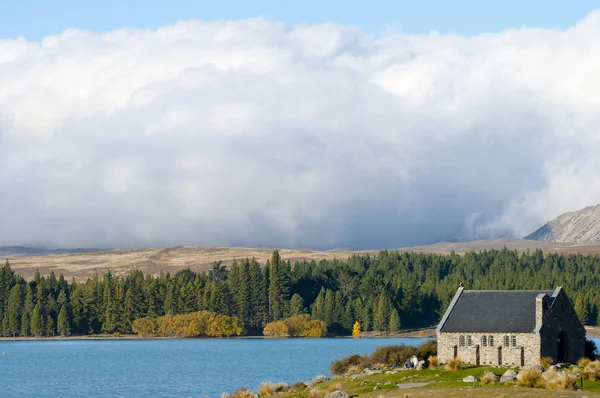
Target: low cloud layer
{"x":252,"y":133}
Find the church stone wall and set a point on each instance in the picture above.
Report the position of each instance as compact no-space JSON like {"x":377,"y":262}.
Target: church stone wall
{"x":528,"y":347}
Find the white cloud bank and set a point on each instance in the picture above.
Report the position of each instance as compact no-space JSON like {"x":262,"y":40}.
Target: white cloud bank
{"x":251,"y":133}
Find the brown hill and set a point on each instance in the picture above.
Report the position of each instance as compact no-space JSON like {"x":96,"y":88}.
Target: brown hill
{"x":153,"y":261}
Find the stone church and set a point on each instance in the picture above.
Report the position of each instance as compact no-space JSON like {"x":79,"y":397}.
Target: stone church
{"x":510,"y":327}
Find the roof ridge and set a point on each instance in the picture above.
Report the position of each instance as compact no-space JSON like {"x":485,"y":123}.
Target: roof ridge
{"x":510,"y":291}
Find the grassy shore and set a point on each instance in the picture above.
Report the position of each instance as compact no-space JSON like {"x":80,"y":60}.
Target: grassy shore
{"x":437,"y":382}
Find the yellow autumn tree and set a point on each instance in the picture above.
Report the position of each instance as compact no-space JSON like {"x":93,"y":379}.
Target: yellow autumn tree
{"x":356,"y":330}
{"x":296,"y":326}
{"x":194,"y":324}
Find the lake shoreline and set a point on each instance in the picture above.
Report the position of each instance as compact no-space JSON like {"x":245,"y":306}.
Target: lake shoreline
{"x":591,"y":332}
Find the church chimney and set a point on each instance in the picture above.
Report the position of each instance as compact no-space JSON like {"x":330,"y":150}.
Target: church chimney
{"x":541,"y":302}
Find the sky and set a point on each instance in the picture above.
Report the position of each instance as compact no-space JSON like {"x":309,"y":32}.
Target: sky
{"x":315,"y":126}
{"x":34,"y":19}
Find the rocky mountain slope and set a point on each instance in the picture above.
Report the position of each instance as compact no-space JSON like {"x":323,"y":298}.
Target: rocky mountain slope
{"x":582,"y":226}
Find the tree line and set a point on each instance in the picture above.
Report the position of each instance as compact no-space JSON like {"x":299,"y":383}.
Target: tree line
{"x":382,"y":292}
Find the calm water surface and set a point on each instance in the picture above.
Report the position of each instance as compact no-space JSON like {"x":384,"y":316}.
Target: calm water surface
{"x":167,"y":368}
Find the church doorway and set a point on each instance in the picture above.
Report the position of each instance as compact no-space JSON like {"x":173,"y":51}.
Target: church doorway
{"x":563,"y":347}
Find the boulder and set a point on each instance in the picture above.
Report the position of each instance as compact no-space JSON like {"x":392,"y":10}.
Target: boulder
{"x":470,"y":379}
{"x":337,"y":394}
{"x":508,"y":376}
{"x":375,"y":388}
{"x":316,"y":380}
{"x":421,"y":365}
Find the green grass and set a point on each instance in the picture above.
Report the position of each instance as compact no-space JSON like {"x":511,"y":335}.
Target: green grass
{"x":444,"y":379}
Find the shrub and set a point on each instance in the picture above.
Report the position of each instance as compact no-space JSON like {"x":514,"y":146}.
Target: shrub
{"x":454,"y":364}
{"x":546,"y":362}
{"x":342,"y":366}
{"x":433,"y":361}
{"x":384,"y":356}
{"x":391,"y":355}
{"x":530,"y":377}
{"x":427,"y":349}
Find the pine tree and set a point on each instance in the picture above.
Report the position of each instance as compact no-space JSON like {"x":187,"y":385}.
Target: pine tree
{"x":278,"y":287}
{"x":63,"y":324}
{"x":50,"y":330}
{"x":7,"y":281}
{"x":25,"y":324}
{"x":356,"y":330}
{"x":363,"y":313}
{"x":348,"y":316}
{"x":13,"y":311}
{"x":37,"y":322}
{"x":382,"y":313}
{"x":329,"y":310}
{"x":109,"y":318}
{"x":581,"y":309}
{"x":297,"y":305}
{"x":170,"y":300}
{"x":27,"y":311}
{"x":318,"y":308}
{"x":394,"y":321}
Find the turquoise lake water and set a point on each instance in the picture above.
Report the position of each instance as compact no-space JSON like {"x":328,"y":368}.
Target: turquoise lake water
{"x":167,"y":368}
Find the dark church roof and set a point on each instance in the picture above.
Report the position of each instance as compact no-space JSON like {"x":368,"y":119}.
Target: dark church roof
{"x":494,"y":311}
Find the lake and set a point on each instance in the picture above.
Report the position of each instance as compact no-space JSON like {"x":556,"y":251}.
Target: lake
{"x":168,"y":368}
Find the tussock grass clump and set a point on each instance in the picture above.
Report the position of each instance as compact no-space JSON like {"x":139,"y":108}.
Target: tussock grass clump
{"x":546,"y":362}
{"x":267,"y":388}
{"x":354,"y":369}
{"x":531,"y":377}
{"x":559,"y":380}
{"x":313,"y":393}
{"x":583,"y":362}
{"x":454,"y":364}
{"x":591,"y":371}
{"x":242,"y":393}
{"x":433,"y":361}
{"x":333,"y":388}
{"x":489,"y":378}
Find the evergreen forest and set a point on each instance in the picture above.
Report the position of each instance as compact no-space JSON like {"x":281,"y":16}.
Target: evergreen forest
{"x":383,"y":292}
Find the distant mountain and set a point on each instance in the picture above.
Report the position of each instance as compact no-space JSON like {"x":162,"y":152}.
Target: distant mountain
{"x":23,"y":251}
{"x":582,"y":226}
